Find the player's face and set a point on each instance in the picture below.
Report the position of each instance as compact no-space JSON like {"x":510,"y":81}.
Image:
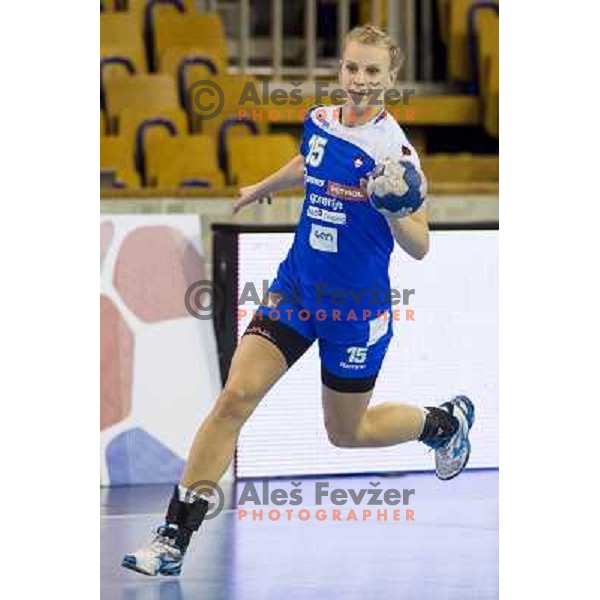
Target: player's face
{"x":365,"y":74}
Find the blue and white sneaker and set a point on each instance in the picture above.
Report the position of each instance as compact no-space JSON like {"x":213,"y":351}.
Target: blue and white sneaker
{"x":452,"y":456}
{"x":160,"y":557}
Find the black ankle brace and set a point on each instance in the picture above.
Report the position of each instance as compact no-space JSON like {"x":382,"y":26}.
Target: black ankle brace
{"x":187,"y":516}
{"x":439,"y":425}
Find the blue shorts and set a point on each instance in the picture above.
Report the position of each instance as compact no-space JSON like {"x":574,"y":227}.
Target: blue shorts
{"x":351,"y":365}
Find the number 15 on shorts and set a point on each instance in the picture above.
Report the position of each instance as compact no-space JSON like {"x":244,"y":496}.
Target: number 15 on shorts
{"x":357,"y":355}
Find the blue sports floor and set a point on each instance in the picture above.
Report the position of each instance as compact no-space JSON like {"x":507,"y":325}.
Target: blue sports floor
{"x":449,"y":551}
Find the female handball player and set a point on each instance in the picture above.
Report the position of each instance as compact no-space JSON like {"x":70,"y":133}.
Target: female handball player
{"x":364,"y":189}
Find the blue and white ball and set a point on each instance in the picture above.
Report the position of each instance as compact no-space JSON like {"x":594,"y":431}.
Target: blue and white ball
{"x":395,"y":188}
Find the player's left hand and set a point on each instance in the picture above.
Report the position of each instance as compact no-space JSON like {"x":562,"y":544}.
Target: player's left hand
{"x":396,"y":188}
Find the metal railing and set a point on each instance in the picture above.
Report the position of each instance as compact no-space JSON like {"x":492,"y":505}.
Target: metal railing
{"x":401,"y":24}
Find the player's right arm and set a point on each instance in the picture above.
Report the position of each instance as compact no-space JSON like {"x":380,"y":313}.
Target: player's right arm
{"x":288,"y":177}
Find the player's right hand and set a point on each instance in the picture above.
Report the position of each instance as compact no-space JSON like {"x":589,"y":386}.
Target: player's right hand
{"x":247,"y":195}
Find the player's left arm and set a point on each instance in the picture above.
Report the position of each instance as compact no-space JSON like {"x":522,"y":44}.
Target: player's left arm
{"x":412,"y":232}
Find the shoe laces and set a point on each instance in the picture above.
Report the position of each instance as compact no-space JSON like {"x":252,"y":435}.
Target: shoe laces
{"x":164,"y":540}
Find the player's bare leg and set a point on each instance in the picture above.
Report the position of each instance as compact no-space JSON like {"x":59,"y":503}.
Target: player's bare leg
{"x":350,"y":423}
{"x":256,"y":366}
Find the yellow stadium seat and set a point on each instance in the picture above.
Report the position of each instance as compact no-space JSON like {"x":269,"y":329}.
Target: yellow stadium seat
{"x":487,"y":27}
{"x":252,"y":158}
{"x":134,"y":56}
{"x":459,"y":64}
{"x":142,"y":92}
{"x":131,"y":118}
{"x":173,"y":29}
{"x":442,"y":110}
{"x":117,"y":153}
{"x":232,"y":87}
{"x":366,"y":6}
{"x":138,"y":7}
{"x":172,"y":161}
{"x":491,"y":113}
{"x":460,"y":168}
{"x":458,"y":53}
{"x":364,"y":11}
{"x":171,"y":59}
{"x":121,"y":35}
{"x":117,"y":29}
{"x":108,"y":6}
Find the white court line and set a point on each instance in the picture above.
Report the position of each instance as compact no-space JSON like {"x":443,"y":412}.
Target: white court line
{"x":160,"y":514}
{"x":282,"y":509}
{"x":418,"y":521}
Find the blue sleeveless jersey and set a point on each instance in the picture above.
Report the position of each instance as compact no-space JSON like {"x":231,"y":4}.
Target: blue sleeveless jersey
{"x":339,"y":259}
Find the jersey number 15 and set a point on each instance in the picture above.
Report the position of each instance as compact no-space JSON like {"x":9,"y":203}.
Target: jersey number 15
{"x":316,"y":151}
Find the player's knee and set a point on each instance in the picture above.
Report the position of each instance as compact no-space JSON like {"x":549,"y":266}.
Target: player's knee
{"x":235,"y":404}
{"x":343,"y":439}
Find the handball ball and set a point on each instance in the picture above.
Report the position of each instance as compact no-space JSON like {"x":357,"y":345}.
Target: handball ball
{"x":394,"y":188}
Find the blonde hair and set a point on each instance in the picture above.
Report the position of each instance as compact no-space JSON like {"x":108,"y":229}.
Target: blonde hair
{"x":370,"y":35}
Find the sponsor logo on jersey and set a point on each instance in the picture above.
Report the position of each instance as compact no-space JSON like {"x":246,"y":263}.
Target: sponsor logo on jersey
{"x":352,"y":367}
{"x":346,"y":192}
{"x":325,"y":215}
{"x":323,"y":238}
{"x":313,"y":180}
{"x":325,"y":201}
